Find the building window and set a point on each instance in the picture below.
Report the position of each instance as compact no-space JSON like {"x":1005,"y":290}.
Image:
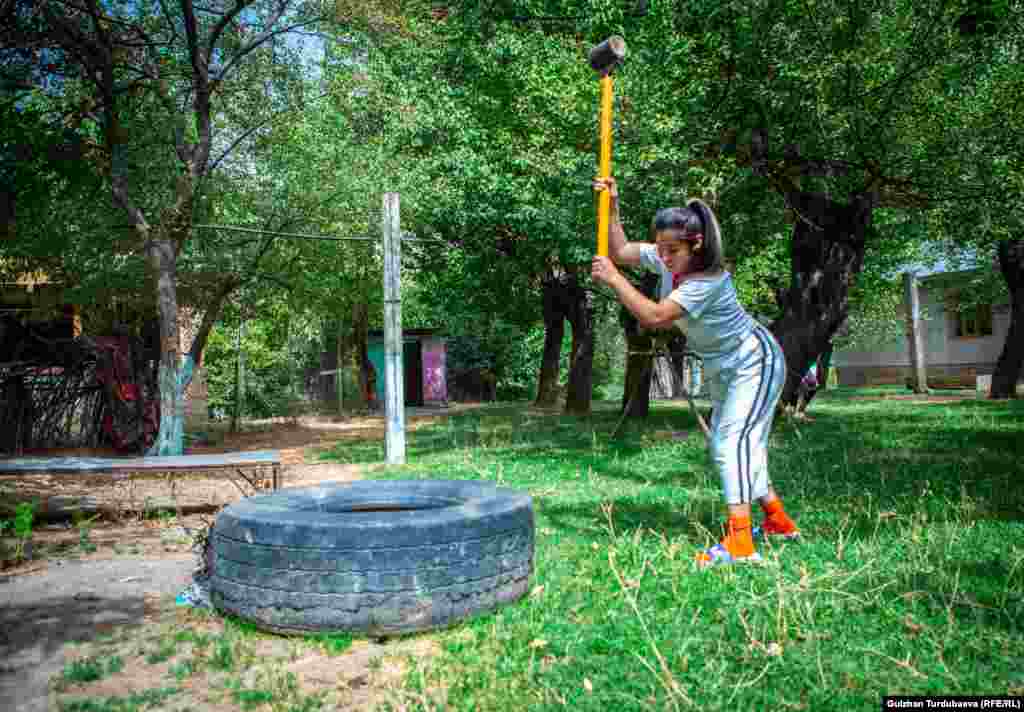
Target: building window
{"x":974,"y":321}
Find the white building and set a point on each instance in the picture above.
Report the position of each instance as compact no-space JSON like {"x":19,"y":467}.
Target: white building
{"x":959,"y":345}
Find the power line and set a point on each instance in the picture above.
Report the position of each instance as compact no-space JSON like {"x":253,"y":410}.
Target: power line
{"x":406,"y":237}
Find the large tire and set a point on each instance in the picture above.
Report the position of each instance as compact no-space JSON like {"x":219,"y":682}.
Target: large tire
{"x":378,"y":557}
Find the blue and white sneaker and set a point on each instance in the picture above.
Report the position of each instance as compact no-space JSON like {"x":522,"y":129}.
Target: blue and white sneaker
{"x":718,"y":555}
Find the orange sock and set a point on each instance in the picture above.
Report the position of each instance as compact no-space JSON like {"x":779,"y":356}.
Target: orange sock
{"x":738,"y":540}
{"x":776,"y":517}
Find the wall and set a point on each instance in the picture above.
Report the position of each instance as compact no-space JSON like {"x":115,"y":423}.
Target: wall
{"x":375,"y":350}
{"x":434,"y":373}
{"x":950,"y":360}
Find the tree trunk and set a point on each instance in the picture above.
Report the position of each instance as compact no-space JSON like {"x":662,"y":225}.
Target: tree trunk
{"x":824,"y":363}
{"x":636,"y":393}
{"x":173,"y":378}
{"x":581,"y":369}
{"x":554,"y":329}
{"x":340,"y":349}
{"x":677,"y":362}
{"x":361,"y":355}
{"x":163,"y":261}
{"x":326,"y":385}
{"x":827,"y":254}
{"x":1011,"y":360}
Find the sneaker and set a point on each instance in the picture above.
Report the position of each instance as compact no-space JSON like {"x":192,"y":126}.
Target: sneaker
{"x":770,"y":530}
{"x":718,"y":555}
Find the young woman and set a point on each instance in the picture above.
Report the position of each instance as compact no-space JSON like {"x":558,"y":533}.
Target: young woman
{"x":743,"y":363}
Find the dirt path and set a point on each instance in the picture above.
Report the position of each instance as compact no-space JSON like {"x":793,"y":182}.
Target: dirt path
{"x":73,"y":601}
{"x":110,"y":595}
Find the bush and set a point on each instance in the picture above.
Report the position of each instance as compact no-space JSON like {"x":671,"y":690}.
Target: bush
{"x":273,"y":373}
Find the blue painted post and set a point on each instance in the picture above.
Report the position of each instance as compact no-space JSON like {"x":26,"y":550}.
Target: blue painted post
{"x":394,"y":381}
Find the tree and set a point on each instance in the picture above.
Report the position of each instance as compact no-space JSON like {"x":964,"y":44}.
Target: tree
{"x":1011,"y":360}
{"x":503,"y":131}
{"x":844,"y":109}
{"x":187,"y":71}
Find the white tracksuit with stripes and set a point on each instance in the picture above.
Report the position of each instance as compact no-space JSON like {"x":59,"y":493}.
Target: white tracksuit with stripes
{"x":745,"y":368}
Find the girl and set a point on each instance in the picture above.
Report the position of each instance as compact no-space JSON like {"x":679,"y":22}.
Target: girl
{"x":742,"y":361}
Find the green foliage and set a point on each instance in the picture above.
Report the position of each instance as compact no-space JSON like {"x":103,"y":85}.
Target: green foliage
{"x":333,"y":643}
{"x":88,"y":670}
{"x":24,"y":516}
{"x":182,"y":670}
{"x":162,"y":653}
{"x":21,"y":527}
{"x":84,"y":526}
{"x":136,"y":702}
{"x":276,"y":353}
{"x":223,"y":657}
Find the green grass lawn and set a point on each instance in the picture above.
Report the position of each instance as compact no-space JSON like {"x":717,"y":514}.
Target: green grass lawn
{"x":910,"y":579}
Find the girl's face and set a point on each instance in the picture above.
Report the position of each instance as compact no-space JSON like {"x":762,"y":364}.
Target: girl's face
{"x":677,"y":253}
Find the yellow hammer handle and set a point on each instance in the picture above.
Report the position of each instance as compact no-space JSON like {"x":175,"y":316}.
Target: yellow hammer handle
{"x":604,"y":198}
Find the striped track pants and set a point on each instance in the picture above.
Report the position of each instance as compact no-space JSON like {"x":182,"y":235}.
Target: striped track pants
{"x":745,"y":393}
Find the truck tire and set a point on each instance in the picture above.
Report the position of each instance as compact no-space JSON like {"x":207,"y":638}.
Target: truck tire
{"x":377,"y":557}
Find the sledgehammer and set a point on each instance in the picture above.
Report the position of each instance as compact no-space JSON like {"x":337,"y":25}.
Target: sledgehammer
{"x":603,"y":59}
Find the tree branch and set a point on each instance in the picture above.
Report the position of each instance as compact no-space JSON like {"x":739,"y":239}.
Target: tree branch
{"x":170,"y":22}
{"x":222,"y":24}
{"x":200,"y":154}
{"x":252,"y":130}
{"x":210,"y":319}
{"x":262,"y":39}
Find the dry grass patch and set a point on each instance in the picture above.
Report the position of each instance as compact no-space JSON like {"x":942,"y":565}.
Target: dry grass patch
{"x":189,"y":659}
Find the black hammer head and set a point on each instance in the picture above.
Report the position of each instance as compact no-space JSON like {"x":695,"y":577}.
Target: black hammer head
{"x":607,"y":55}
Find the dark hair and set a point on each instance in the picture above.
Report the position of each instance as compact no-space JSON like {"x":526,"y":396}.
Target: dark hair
{"x":695,"y":219}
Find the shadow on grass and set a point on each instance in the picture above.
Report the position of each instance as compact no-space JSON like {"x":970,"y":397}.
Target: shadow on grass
{"x":950,"y":459}
{"x":527,"y":436}
{"x":627,"y":514}
{"x":961,"y":455}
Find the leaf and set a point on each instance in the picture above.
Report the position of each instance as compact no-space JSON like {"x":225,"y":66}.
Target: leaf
{"x":538,"y":643}
{"x":588,"y":685}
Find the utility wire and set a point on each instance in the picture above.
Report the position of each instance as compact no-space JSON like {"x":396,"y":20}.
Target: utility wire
{"x":406,"y":236}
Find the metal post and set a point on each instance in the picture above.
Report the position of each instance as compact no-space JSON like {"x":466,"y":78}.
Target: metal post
{"x":394,"y":383}
{"x":914,"y":336}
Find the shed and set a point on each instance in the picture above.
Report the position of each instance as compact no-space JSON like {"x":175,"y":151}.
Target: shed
{"x":423,"y":362}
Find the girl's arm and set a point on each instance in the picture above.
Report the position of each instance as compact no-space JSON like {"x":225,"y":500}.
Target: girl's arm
{"x":650,"y":314}
{"x":664,"y":325}
{"x":619,"y":248}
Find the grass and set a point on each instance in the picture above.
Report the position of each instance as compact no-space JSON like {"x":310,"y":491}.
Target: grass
{"x":90,"y":669}
{"x":149,"y":699}
{"x":910,"y":579}
{"x":203,"y":658}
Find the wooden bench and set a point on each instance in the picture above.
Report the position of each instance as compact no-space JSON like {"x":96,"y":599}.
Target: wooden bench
{"x":128,"y":468}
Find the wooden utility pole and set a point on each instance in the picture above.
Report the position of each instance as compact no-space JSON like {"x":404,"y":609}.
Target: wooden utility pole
{"x":394,"y":382}
{"x":915,"y":339}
